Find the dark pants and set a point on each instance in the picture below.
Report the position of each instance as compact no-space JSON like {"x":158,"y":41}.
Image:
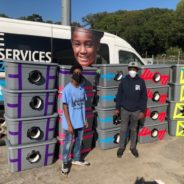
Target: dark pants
{"x":126,"y":117}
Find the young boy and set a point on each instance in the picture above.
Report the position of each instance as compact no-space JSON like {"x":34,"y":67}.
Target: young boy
{"x":73,"y":119}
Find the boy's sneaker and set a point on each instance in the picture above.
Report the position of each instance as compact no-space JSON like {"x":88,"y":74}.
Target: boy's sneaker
{"x":80,"y":163}
{"x":134,"y":152}
{"x":120,"y":152}
{"x":65,"y":168}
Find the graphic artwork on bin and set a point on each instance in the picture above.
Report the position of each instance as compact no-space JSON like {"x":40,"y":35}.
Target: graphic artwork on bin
{"x":86,"y":146}
{"x":177,"y":92}
{"x":1,"y":66}
{"x":178,"y":74}
{"x":89,"y":74}
{"x":157,"y":95}
{"x":176,"y":128}
{"x":106,"y":118}
{"x":151,"y":133}
{"x":176,"y":110}
{"x":155,"y":75}
{"x":106,"y":97}
{"x":155,"y":114}
{"x":22,"y":75}
{"x":88,"y":103}
{"x":22,"y":104}
{"x":89,"y":118}
{"x":31,"y":130}
{"x":110,"y":75}
{"x":2,"y":86}
{"x":108,"y":139}
{"x":30,"y":156}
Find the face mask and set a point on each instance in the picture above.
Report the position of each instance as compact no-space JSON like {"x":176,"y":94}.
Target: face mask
{"x":77,"y":77}
{"x":132,"y":73}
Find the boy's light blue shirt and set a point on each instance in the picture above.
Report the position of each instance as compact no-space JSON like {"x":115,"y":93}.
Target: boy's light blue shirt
{"x":75,"y":98}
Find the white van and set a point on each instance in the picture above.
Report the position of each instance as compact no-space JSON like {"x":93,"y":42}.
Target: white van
{"x":42,"y":42}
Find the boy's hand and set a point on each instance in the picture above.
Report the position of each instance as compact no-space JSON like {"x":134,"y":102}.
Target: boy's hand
{"x":117,"y":112}
{"x":86,"y":124}
{"x":70,"y":129}
{"x":141,"y":115}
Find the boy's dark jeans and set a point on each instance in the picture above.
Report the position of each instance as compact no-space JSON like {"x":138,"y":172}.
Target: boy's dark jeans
{"x":126,"y":117}
{"x":72,"y":141}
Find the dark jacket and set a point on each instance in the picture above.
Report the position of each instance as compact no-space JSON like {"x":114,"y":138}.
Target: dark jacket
{"x":132,"y":94}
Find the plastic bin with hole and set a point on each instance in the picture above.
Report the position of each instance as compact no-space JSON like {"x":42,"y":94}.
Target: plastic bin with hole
{"x":151,"y":133}
{"x":29,"y":156}
{"x":22,"y":75}
{"x":110,"y":75}
{"x":155,"y":114}
{"x":108,"y":139}
{"x":31,"y":130}
{"x":25,"y":103}
{"x":157,"y":95}
{"x":155,"y":75}
{"x":105,"y":118}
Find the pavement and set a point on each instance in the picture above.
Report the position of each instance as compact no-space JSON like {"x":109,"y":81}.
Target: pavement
{"x":162,"y":160}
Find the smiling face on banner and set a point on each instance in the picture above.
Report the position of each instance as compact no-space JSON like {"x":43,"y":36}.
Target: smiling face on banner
{"x":85,"y":44}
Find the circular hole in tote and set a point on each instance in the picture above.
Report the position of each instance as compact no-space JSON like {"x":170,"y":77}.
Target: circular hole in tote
{"x":118,"y":76}
{"x":154,"y":133}
{"x":154,"y":115}
{"x":35,"y":77}
{"x":34,"y":133}
{"x":156,"y":96}
{"x":117,"y":139}
{"x":36,"y":103}
{"x":34,"y":157}
{"x":156,"y":77}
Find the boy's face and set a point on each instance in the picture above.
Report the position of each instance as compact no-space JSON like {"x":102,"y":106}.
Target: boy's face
{"x":84,"y":47}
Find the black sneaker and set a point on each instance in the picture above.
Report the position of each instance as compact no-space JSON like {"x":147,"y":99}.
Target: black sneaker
{"x":120,"y":152}
{"x":65,"y":168}
{"x":134,"y":152}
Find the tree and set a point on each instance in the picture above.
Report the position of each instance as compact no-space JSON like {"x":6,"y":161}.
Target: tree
{"x":3,"y":15}
{"x":33,"y":17}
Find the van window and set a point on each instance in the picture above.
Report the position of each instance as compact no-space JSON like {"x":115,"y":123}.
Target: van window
{"x":63,"y":53}
{"x":103,"y":55}
{"x":125,"y":57}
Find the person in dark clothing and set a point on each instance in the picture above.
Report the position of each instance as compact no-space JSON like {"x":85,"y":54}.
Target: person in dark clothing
{"x":131,"y":102}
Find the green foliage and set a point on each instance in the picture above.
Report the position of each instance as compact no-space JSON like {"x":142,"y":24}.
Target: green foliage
{"x":3,"y":15}
{"x":33,"y":17}
{"x":149,"y":31}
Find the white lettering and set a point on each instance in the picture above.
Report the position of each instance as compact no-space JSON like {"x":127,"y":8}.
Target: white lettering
{"x":42,"y":56}
{"x":8,"y":53}
{"x":24,"y":55}
{"x":48,"y":56}
{"x":16,"y":54}
{"x":2,"y":56}
{"x":33,"y":55}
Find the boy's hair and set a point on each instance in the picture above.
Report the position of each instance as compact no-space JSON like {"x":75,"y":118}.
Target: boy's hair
{"x":75,"y":66}
{"x":97,"y":34}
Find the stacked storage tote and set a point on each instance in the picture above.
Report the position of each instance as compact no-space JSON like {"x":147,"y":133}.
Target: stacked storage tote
{"x":108,"y":125}
{"x":154,"y":127}
{"x":89,"y":74}
{"x":176,"y":103}
{"x":29,"y":113}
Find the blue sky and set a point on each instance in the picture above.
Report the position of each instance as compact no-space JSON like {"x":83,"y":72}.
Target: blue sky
{"x":51,"y":9}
